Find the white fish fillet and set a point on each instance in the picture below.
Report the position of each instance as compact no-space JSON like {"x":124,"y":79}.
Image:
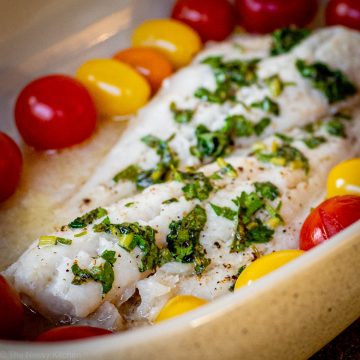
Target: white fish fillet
{"x":301,"y":103}
{"x":44,"y":275}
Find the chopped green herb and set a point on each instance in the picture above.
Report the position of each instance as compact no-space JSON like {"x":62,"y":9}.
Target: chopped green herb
{"x":260,"y":127}
{"x":129,"y":204}
{"x":103,"y":273}
{"x":53,"y":240}
{"x":238,"y":125}
{"x":183,"y":239}
{"x":275,"y":85}
{"x":267,"y":105}
{"x":230,"y":76}
{"x":88,"y":218}
{"x":83,"y":233}
{"x":197,"y":185}
{"x":314,"y":141}
{"x":130,"y":173}
{"x":249,"y":229}
{"x":336,"y":128}
{"x":332,"y":83}
{"x":170,"y":201}
{"x":286,"y":139}
{"x":224,"y":211}
{"x":181,"y":116}
{"x":283,"y":40}
{"x":284,"y":155}
{"x":131,"y":235}
{"x":162,"y":170}
{"x":210,"y":144}
{"x":225,"y":169}
{"x":267,"y":190}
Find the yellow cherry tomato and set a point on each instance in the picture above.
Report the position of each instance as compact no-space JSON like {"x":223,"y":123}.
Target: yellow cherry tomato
{"x":344,"y":179}
{"x":179,"y":305}
{"x":174,"y":39}
{"x":116,"y":88}
{"x":265,"y":265}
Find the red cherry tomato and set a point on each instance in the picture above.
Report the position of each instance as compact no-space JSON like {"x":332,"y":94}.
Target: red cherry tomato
{"x":55,"y":112}
{"x":343,"y":12}
{"x":212,"y":19}
{"x":10,"y":166}
{"x":329,"y":218}
{"x":66,"y":333}
{"x":11,"y":311}
{"x":263,"y":16}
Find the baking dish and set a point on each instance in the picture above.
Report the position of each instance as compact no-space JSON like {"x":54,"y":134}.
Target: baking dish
{"x":299,"y":307}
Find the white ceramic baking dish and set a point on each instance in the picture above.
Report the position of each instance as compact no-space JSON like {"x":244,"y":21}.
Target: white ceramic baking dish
{"x":290,"y":314}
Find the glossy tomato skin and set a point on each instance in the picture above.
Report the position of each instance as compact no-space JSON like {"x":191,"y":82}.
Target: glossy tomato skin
{"x":11,"y":312}
{"x":264,"y":16}
{"x":212,"y":19}
{"x":10,"y":166}
{"x":329,"y":218}
{"x":67,"y":333}
{"x":150,"y":63}
{"x":343,"y":12}
{"x":54,"y":112}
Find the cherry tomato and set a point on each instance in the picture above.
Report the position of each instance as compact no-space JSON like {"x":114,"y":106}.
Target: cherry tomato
{"x":150,"y":63}
{"x":344,"y":179}
{"x":116,"y":87}
{"x":343,"y":12}
{"x":177,"y":41}
{"x":66,"y":333}
{"x":11,"y":311}
{"x":329,"y":218}
{"x":265,"y":265}
{"x":10,"y":166}
{"x":55,"y":112}
{"x":263,"y":16}
{"x":179,"y":305}
{"x":212,"y":19}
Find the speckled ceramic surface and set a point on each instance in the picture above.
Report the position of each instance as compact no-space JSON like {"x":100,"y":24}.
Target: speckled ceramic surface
{"x":290,"y":314}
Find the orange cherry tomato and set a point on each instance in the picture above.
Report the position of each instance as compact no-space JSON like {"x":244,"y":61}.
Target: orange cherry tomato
{"x":150,"y":63}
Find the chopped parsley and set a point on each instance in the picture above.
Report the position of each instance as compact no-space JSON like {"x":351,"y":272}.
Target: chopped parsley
{"x":160,"y":173}
{"x":226,"y":169}
{"x":283,"y":40}
{"x":230,"y":76}
{"x":224,"y":211}
{"x":88,"y":218}
{"x":181,"y":116}
{"x":332,"y":83}
{"x":183,"y":240}
{"x":129,"y":236}
{"x":267,"y":190}
{"x":214,"y":144}
{"x":129,"y":204}
{"x":249,"y":228}
{"x":335,"y":127}
{"x":197,"y":185}
{"x":285,"y":138}
{"x":103,"y":273}
{"x":284,"y":155}
{"x":210,"y":144}
{"x":267,"y":105}
{"x":170,"y":201}
{"x":312,"y":142}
